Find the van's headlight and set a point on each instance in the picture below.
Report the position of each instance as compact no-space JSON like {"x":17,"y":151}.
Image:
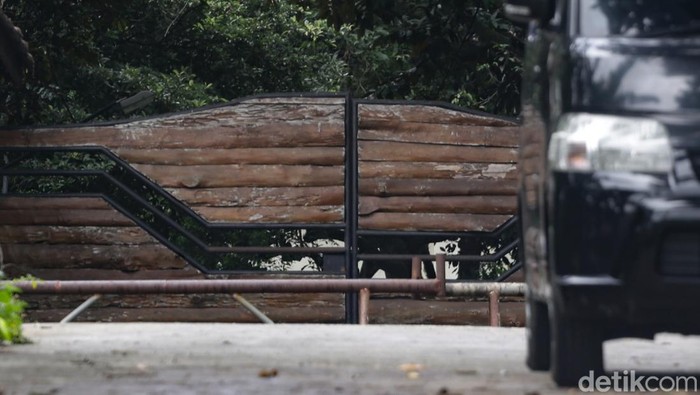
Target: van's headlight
{"x":589,"y":142}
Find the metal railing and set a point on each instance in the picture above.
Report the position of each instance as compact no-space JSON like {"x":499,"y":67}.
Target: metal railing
{"x":365,"y":287}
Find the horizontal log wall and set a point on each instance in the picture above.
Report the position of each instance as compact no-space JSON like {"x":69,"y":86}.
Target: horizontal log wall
{"x":276,"y":149}
{"x":86,"y":239}
{"x":432,"y":168}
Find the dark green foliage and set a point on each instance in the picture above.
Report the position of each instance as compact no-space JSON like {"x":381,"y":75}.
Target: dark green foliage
{"x":460,"y":51}
{"x":11,"y":309}
{"x":190,"y":53}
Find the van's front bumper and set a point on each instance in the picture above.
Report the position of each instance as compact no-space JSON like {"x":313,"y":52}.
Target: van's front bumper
{"x":627,"y":250}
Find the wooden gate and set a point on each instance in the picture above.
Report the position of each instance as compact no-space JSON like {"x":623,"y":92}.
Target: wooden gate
{"x":187,"y":195}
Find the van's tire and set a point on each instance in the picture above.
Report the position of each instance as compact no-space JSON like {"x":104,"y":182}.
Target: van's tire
{"x":538,"y":335}
{"x":577,"y":349}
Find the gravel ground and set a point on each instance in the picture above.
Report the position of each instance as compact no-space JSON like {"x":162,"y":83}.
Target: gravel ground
{"x":298,"y":359}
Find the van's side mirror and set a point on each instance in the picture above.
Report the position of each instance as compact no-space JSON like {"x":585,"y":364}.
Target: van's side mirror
{"x":525,"y":11}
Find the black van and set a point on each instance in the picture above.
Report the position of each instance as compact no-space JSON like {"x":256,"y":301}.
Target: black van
{"x":610,"y":175}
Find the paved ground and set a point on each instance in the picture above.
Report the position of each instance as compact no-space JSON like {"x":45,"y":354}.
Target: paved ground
{"x":298,"y":359}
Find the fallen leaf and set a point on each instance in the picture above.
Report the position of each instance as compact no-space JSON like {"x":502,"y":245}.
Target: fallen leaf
{"x":267,"y":373}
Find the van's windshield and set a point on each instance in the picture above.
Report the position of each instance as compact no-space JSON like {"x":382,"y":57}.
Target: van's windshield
{"x":639,"y":18}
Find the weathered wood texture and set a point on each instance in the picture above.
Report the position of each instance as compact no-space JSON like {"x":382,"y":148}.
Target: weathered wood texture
{"x":191,"y":308}
{"x":77,"y":233}
{"x":435,"y":168}
{"x":45,"y":241}
{"x":383,"y":310}
{"x":283,"y":145}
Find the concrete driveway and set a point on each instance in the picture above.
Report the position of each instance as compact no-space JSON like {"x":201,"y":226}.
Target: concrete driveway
{"x":298,"y":359}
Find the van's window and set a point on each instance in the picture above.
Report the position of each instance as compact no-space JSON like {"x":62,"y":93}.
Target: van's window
{"x":639,"y":18}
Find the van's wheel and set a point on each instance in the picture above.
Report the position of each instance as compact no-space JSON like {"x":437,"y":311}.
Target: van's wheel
{"x":538,"y":335}
{"x":577,"y":349}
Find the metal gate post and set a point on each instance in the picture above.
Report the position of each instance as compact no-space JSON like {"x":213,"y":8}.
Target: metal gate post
{"x":351,"y":203}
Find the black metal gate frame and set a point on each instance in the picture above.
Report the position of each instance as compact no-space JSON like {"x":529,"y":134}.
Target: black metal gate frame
{"x":126,"y":185}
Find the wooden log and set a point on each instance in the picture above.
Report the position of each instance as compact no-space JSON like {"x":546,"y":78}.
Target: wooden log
{"x":207,"y":136}
{"x":441,"y":204}
{"x":418,"y":132}
{"x":249,"y":112}
{"x":432,"y":222}
{"x":104,"y":235}
{"x":13,"y":270}
{"x":74,"y":217}
{"x":269,"y":300}
{"x":437,"y":170}
{"x":301,"y":314}
{"x":413,"y":152}
{"x":457,"y":311}
{"x":425,"y":114}
{"x":318,"y":100}
{"x":52,"y":203}
{"x":389,"y":311}
{"x":322,"y":156}
{"x":256,"y":197}
{"x":116,"y":257}
{"x":383,"y":310}
{"x":423,"y":187}
{"x":266,"y":301}
{"x":243,"y":176}
{"x":17,"y":270}
{"x":282,"y":214}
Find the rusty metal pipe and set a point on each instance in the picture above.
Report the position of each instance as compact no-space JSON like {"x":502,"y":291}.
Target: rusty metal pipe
{"x":126,"y":287}
{"x":416,"y":272}
{"x":494,"y":308}
{"x":416,"y":268}
{"x":440,"y":274}
{"x":482,"y":289}
{"x":364,"y":306}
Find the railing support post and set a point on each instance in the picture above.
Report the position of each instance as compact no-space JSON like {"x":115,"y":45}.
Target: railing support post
{"x":253,"y":310}
{"x":494,"y":308}
{"x":364,"y":306}
{"x":440,"y":274}
{"x":83,"y":306}
{"x":416,"y":272}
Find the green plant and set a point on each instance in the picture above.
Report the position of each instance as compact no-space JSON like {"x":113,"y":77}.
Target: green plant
{"x":11,"y":309}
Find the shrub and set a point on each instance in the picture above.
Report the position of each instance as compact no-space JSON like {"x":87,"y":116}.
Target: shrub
{"x":11,"y":309}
